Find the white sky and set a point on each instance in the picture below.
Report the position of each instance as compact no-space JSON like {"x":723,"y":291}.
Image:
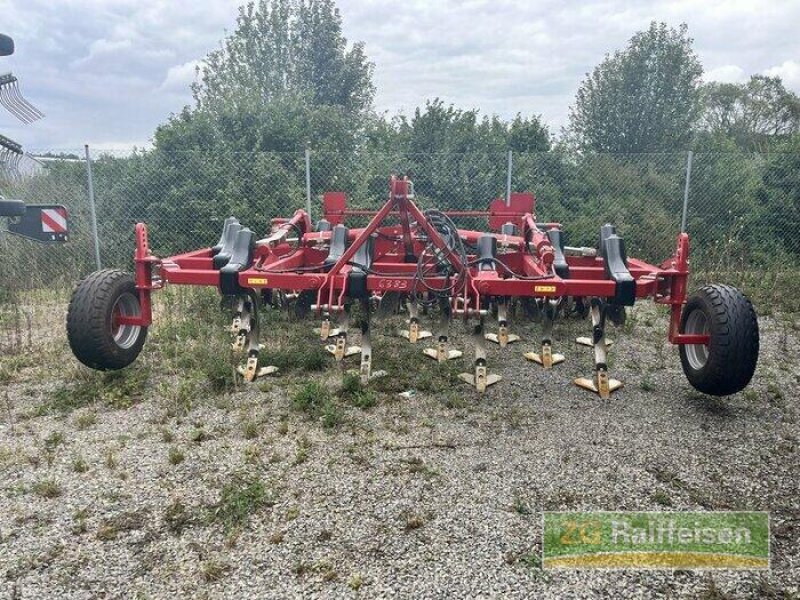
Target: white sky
{"x":107,"y":72}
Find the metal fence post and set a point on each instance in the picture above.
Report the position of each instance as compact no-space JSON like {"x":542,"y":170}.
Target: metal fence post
{"x":308,"y":181}
{"x":92,"y":210}
{"x":508,"y":180}
{"x":686,"y":191}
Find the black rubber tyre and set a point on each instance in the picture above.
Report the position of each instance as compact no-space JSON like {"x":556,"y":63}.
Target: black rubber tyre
{"x":727,"y":364}
{"x":94,"y":339}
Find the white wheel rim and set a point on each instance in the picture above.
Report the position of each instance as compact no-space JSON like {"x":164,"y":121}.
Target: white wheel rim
{"x":127,"y":305}
{"x":697,"y":354}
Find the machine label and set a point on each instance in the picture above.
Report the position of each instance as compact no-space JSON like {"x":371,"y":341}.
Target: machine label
{"x":257,"y":281}
{"x":545,"y":289}
{"x":393,"y":284}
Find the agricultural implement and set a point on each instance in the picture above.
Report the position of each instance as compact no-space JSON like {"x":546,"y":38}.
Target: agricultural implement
{"x":43,"y":222}
{"x":420,"y":259}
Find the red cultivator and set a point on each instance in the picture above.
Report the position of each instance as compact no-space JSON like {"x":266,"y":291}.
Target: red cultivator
{"x":423,"y":258}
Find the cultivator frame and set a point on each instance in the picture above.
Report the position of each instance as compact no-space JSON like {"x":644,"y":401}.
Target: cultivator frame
{"x":423,"y":257}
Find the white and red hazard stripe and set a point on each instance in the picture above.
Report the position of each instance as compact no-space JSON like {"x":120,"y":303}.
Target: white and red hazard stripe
{"x":54,"y":220}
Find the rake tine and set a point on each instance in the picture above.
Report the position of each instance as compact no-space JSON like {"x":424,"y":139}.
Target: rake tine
{"x":14,"y":164}
{"x":23,"y":105}
{"x":12,"y":99}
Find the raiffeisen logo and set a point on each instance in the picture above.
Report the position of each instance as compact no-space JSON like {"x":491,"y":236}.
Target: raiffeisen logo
{"x":656,"y":540}
{"x":622,"y":532}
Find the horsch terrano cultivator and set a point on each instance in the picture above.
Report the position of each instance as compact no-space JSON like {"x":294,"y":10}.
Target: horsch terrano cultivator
{"x":422,"y":258}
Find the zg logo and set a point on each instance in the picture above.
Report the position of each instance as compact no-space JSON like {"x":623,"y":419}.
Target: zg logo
{"x":588,"y":531}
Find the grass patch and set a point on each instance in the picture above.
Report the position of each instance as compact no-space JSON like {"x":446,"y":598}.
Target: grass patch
{"x":240,"y":498}
{"x":213,"y":570}
{"x":413,"y":521}
{"x":250,"y":430}
{"x":351,"y":385}
{"x":355,"y":582}
{"x":176,"y":456}
{"x":661,"y":497}
{"x":86,"y":420}
{"x":409,"y":370}
{"x":177,"y":517}
{"x":303,"y":450}
{"x":355,"y":393}
{"x":299,"y":355}
{"x":111,"y":460}
{"x":520,"y":506}
{"x":79,"y":465}
{"x":51,"y":444}
{"x":47,"y":488}
{"x":317,"y":402}
{"x":116,"y":389}
{"x":199,"y":435}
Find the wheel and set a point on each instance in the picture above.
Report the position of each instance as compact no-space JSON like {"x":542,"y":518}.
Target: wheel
{"x":727,"y":364}
{"x":95,"y":336}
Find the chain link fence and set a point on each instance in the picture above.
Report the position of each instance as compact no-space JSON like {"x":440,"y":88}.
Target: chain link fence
{"x":741,"y":215}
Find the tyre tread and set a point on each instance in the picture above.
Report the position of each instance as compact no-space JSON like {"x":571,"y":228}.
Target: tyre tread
{"x":87,"y":330}
{"x":733,"y":352}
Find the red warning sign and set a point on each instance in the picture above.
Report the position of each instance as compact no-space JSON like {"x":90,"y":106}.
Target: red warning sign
{"x":54,"y":220}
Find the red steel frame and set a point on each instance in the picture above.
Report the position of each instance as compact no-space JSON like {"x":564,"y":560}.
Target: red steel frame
{"x":299,"y":266}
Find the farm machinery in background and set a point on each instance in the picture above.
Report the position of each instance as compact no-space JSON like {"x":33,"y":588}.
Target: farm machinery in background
{"x":41,"y":223}
{"x":425,"y":259}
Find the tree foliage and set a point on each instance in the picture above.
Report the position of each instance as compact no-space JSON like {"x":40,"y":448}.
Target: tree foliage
{"x":286,"y":48}
{"x":753,"y":114}
{"x":642,"y":99}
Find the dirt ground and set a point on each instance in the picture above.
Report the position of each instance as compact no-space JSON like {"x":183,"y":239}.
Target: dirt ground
{"x":168,"y":480}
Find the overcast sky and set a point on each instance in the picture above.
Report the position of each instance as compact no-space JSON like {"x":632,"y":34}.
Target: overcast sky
{"x":107,"y":72}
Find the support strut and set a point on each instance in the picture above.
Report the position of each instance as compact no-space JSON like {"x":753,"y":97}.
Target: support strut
{"x":247,"y":336}
{"x":325,"y":330}
{"x":546,"y":358}
{"x":414,"y":333}
{"x":440,"y":352}
{"x":480,"y":378}
{"x":601,"y":383}
{"x":339,"y":348}
{"x":502,"y":337}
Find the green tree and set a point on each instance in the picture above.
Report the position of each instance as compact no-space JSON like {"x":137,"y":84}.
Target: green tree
{"x":753,"y":114}
{"x":286,"y":48}
{"x":645,"y":98}
{"x":779,"y":194}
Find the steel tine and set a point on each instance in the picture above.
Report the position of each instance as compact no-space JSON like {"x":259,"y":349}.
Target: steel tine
{"x":23,"y":106}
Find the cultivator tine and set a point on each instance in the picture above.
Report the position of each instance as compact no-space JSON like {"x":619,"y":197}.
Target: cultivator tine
{"x":365,"y":372}
{"x":587,"y":341}
{"x":11,"y":98}
{"x":236,"y":324}
{"x":601,"y":383}
{"x":440,"y":353}
{"x":546,"y":357}
{"x":250,"y":371}
{"x":339,"y":348}
{"x":325,"y":330}
{"x":414,"y":333}
{"x":242,"y":322}
{"x":502,"y":337}
{"x":366,"y":344}
{"x":388,"y":304}
{"x":480,"y":379}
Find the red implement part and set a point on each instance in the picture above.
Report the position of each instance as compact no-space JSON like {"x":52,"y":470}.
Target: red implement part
{"x":523,"y":266}
{"x":501,"y":213}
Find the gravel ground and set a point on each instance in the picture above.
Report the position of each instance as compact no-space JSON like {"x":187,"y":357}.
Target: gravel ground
{"x":437,"y":496}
